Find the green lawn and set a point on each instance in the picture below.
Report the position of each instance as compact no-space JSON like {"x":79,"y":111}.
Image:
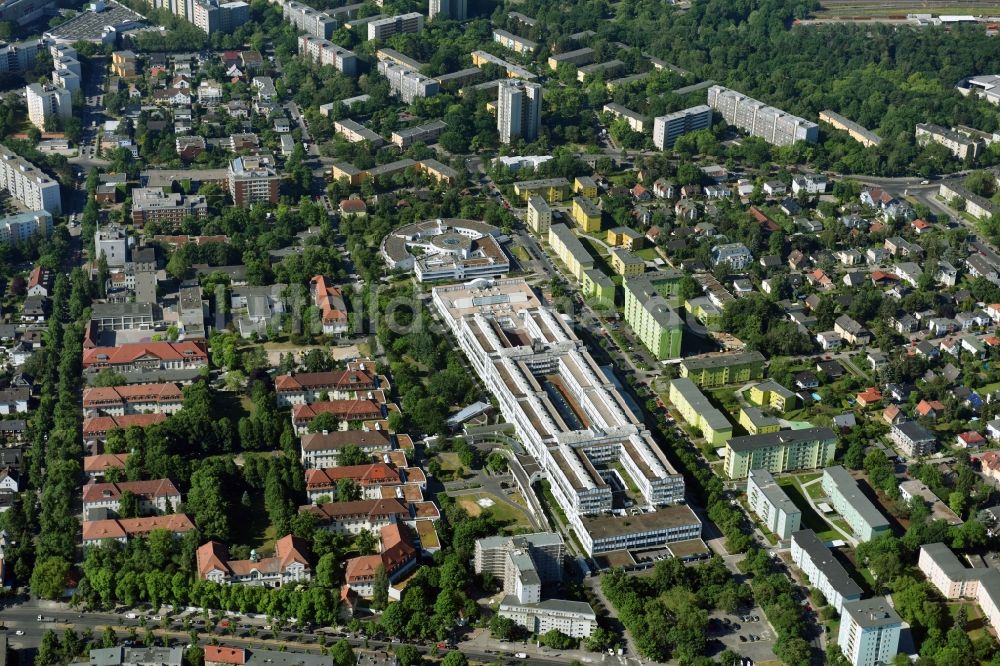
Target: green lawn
{"x":810,"y":518}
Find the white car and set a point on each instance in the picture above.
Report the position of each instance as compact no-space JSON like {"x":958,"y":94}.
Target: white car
{"x":19,"y":632}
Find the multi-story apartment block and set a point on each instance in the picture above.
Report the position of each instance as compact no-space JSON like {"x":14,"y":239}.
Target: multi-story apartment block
{"x":163,"y":398}
{"x":865,"y":137}
{"x":427,"y":132}
{"x":869,"y":632}
{"x":406,"y":83}
{"x":960,"y":145}
{"x":20,"y":227}
{"x":913,"y":439}
{"x":772,"y":505}
{"x":111,"y":242}
{"x":586,"y":214}
{"x":123,"y":316}
{"x":153,"y":204}
{"x":757,"y":422}
{"x":552,"y":190}
{"x":568,"y":415}
{"x":539,"y":216}
{"x":666,"y":129}
{"x":783,"y":451}
{"x":569,"y":249}
{"x":699,"y":412}
{"x":573,"y":618}
{"x":212,"y":16}
{"x":652,"y":318}
{"x":322,"y":449}
{"x":28,"y":184}
{"x":626,"y":264}
{"x":252,"y":180}
{"x":124,"y":64}
{"x":864,"y":518}
{"x":823,"y":570}
{"x":956,"y":581}
{"x":360,"y":515}
{"x":325,"y":52}
{"x":355,"y":132}
{"x":519,"y":110}
{"x":757,"y":119}
{"x":636,"y":121}
{"x":159,"y":496}
{"x":513,"y":42}
{"x":21,"y":56}
{"x":522,"y":563}
{"x":316,"y":23}
{"x":66,"y":78}
{"x":290,"y":564}
{"x":456,"y":10}
{"x":578,"y":57}
{"x":393,"y":25}
{"x":46,"y":102}
{"x":711,"y":370}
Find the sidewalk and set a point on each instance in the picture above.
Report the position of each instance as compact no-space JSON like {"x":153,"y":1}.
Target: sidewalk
{"x":481,"y":641}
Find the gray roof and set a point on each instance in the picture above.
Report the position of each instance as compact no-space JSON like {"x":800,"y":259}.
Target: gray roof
{"x":722,"y":360}
{"x":275,"y":658}
{"x":558,"y":605}
{"x":872,"y":613}
{"x":824,"y":561}
{"x":764,"y":480}
{"x":767,"y":440}
{"x":697,"y":400}
{"x":914,"y":432}
{"x":949,"y":563}
{"x":643,"y":287}
{"x":848,"y":489}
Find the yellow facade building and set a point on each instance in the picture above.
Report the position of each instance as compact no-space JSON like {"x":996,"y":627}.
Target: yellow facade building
{"x":570,"y":250}
{"x":626,"y":264}
{"x":586,"y":214}
{"x":697,"y":411}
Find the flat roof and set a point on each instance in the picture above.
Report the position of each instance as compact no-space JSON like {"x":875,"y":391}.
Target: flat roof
{"x":825,"y":561}
{"x":872,"y":613}
{"x":782,"y":437}
{"x":603,"y":527}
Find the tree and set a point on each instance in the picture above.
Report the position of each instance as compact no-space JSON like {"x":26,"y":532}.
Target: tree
{"x":407,"y":655}
{"x":502,"y":628}
{"x":366,"y":542}
{"x":49,"y":652}
{"x":352,"y":455}
{"x":380,"y":588}
{"x":128,"y":506}
{"x":48,"y":580}
{"x":325,"y":422}
{"x":342,"y":653}
{"x":557,"y":640}
{"x":455,"y":658}
{"x":348,"y":490}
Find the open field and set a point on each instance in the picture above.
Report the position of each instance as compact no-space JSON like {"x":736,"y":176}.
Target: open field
{"x":500,"y":510}
{"x":900,"y":8}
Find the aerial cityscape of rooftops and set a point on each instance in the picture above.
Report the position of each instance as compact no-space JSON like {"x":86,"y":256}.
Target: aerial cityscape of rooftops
{"x":416,"y":332}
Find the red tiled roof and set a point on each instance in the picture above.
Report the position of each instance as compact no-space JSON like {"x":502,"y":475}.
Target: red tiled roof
{"x":224,"y":654}
{"x":95,"y":492}
{"x":329,"y":299}
{"x":925,"y":407}
{"x":178,"y":523}
{"x":350,"y":410}
{"x":972,"y":437}
{"x":353,"y":205}
{"x":990,"y":461}
{"x":100,"y":425}
{"x":128,"y":353}
{"x":375,"y":508}
{"x":348,"y":380}
{"x":375,"y":474}
{"x":104,"y":462}
{"x":98,"y":396}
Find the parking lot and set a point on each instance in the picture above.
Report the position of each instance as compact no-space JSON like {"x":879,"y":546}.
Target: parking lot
{"x":747,"y":635}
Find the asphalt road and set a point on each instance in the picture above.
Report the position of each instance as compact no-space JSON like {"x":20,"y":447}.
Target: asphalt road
{"x":23,"y":617}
